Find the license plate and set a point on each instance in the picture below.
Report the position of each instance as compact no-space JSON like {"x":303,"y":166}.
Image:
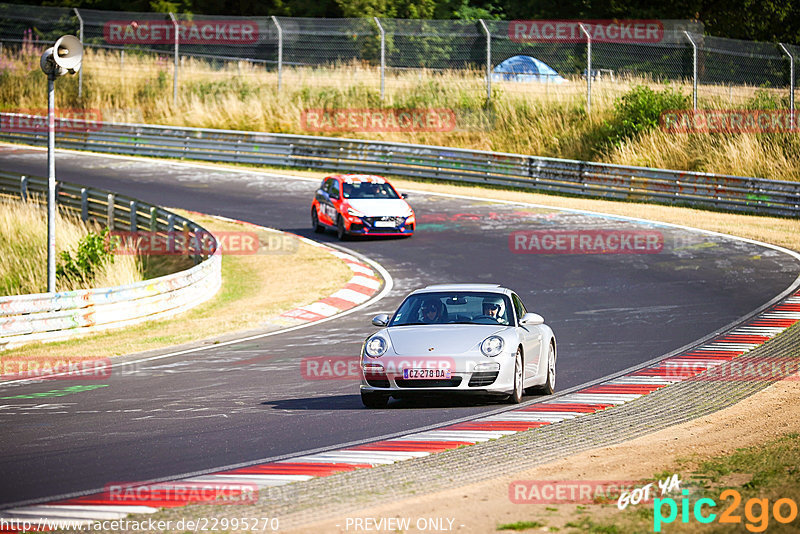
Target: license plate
{"x":426,"y":374}
{"x":384,"y":224}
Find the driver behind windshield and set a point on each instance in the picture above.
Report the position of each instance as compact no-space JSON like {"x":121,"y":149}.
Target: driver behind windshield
{"x":431,"y":311}
{"x":494,"y":308}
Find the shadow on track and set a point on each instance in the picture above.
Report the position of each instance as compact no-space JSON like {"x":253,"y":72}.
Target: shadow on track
{"x":353,"y":402}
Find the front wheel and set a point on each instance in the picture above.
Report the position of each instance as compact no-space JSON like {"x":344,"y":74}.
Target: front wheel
{"x":549,"y":387}
{"x":516,"y":396}
{"x":340,"y":231}
{"x":318,"y":228}
{"x":372,"y":399}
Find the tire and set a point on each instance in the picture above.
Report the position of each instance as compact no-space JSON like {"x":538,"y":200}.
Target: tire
{"x":516,"y":396}
{"x":371,"y":399}
{"x":340,"y":232}
{"x":318,"y":228}
{"x":549,"y":387}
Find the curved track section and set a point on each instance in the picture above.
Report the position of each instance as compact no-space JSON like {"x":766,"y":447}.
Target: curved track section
{"x":248,"y":402}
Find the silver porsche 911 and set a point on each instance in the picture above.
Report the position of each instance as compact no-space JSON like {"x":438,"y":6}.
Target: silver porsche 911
{"x":458,"y":338}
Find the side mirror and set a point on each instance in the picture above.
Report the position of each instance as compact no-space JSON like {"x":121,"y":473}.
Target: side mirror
{"x":404,"y":195}
{"x":381,"y":320}
{"x":531,"y":319}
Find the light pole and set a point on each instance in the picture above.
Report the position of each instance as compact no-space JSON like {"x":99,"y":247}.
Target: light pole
{"x":64,"y":57}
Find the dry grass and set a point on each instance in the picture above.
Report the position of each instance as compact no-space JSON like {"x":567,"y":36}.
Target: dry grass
{"x":23,"y":251}
{"x":254,"y":289}
{"x":540,"y":119}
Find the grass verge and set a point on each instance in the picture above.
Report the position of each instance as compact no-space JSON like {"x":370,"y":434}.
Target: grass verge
{"x":754,"y":489}
{"x":254,"y":288}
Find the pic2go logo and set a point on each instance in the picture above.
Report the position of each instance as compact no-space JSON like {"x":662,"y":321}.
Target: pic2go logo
{"x":756,"y":511}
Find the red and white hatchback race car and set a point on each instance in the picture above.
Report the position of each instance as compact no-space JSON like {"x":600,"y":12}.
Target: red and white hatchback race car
{"x":358,"y":204}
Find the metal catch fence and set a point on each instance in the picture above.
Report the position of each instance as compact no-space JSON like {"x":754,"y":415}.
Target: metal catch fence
{"x":572,"y":56}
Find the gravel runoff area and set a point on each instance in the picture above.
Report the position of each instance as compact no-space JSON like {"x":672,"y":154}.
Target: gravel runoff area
{"x":314,"y":500}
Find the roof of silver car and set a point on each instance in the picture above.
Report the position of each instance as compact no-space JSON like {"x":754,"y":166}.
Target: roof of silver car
{"x":494,"y":288}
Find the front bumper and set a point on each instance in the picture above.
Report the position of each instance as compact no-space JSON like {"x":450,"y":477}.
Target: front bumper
{"x":367,"y":226}
{"x":464,"y":377}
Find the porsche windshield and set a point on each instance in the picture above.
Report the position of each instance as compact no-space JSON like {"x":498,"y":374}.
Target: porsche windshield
{"x":454,"y":308}
{"x":368,"y":190}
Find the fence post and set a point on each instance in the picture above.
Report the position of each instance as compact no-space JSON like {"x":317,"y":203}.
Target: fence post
{"x":694,"y":70}
{"x":791,"y":84}
{"x":588,"y":69}
{"x":80,"y":36}
{"x":488,"y":60}
{"x":383,"y":55}
{"x":280,"y":50}
{"x":84,"y":204}
{"x":175,"y":74}
{"x":134,"y":207}
{"x":110,"y":211}
{"x":23,"y":188}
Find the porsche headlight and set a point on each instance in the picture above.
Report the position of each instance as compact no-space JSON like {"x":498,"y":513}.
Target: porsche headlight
{"x":492,"y":346}
{"x":376,"y":347}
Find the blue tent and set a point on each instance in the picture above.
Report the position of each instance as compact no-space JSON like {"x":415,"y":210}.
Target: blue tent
{"x":525,"y":69}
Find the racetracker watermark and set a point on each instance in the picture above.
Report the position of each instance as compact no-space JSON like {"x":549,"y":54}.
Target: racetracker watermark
{"x":602,"y":31}
{"x":586,"y":242}
{"x":66,"y":120}
{"x":567,"y":491}
{"x":132,"y":493}
{"x":221,"y":32}
{"x":330,"y":368}
{"x":55,"y":367}
{"x":767,"y":369}
{"x":378,"y":120}
{"x":182,"y":243}
{"x":349,"y":367}
{"x":731,"y":121}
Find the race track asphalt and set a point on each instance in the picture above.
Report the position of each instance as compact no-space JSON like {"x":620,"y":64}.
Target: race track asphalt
{"x":248,"y":402}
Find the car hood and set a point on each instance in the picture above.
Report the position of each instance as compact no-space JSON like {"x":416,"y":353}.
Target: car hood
{"x":380,"y":207}
{"x":445,"y":340}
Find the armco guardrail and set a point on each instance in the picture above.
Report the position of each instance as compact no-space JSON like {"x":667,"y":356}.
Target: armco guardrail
{"x":49,"y":316}
{"x":753,"y":195}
